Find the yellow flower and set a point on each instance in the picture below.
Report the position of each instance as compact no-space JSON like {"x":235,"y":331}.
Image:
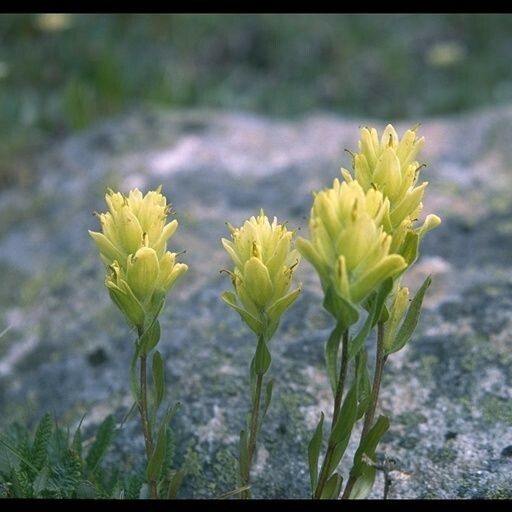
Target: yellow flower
{"x":390,"y":165}
{"x":133,"y":244}
{"x":264,"y":264}
{"x":349,"y":247}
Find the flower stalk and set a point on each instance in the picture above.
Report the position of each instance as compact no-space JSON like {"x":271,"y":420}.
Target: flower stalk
{"x":140,"y":272}
{"x":264,"y":263}
{"x":363,"y":238}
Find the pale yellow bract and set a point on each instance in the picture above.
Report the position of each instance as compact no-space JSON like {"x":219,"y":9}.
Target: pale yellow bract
{"x":133,"y":244}
{"x":264,"y":264}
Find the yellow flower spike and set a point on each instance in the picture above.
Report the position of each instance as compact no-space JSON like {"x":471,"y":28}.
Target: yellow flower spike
{"x":389,"y":165}
{"x":355,"y":257}
{"x":263,"y":269}
{"x":133,"y":243}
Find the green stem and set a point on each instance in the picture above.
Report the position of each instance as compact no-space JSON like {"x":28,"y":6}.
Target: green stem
{"x":380,"y":359}
{"x":324,"y":475}
{"x":146,"y":428}
{"x":246,"y":494}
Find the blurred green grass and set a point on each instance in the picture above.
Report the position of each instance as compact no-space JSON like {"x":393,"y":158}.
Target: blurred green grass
{"x":60,"y":74}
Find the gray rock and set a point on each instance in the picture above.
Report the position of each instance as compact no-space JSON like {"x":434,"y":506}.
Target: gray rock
{"x":448,"y":394}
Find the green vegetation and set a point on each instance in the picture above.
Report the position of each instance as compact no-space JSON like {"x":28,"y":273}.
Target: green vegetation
{"x":61,"y":75}
{"x":56,"y":465}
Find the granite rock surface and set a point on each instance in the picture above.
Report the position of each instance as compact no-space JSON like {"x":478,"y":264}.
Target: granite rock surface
{"x":67,"y":351}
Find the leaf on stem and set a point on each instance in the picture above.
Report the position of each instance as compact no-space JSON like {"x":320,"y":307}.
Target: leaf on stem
{"x":364,"y":472}
{"x":346,"y":418}
{"x":314,"y":452}
{"x":342,"y":430}
{"x":157,"y":457}
{"x":411,"y":318}
{"x":158,"y":378}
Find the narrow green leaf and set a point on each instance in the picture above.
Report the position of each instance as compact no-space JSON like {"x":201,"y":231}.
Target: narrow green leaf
{"x":175,"y":484}
{"x":411,"y":318}
{"x":369,"y":445}
{"x":331,"y":355}
{"x":158,"y":455}
{"x":39,"y":452}
{"x":101,"y":443}
{"x":158,"y":378}
{"x":362,"y":471}
{"x":262,"y":359}
{"x":268,"y":397}
{"x":364,"y":484}
{"x":314,"y":452}
{"x":376,"y":312}
{"x":332,"y":488}
{"x":346,"y":417}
